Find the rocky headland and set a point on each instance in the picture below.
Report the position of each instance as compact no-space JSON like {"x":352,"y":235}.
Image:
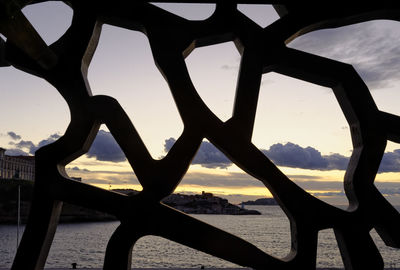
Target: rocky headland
{"x":262,"y":201}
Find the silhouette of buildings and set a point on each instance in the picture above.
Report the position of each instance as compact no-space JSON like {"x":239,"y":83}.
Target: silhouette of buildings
{"x":16,"y":167}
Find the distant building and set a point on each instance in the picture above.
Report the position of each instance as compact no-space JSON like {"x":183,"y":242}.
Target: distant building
{"x":16,"y":167}
{"x":206,"y":194}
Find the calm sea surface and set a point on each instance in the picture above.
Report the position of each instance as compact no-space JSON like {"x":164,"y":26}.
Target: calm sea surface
{"x":85,"y":243}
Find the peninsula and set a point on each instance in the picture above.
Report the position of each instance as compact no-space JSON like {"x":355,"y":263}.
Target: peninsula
{"x":204,"y":203}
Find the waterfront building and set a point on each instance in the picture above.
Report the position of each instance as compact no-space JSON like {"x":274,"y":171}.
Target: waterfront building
{"x":16,"y":167}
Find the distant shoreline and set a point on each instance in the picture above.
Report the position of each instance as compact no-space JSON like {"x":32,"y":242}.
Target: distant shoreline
{"x":262,"y":201}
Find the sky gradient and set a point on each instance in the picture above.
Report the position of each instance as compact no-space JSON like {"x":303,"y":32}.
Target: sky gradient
{"x":299,"y":126}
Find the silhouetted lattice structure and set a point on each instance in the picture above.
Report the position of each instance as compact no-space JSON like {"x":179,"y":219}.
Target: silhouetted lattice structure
{"x":64,"y":64}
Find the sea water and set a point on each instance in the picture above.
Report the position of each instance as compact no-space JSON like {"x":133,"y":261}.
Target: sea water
{"x":85,"y":243}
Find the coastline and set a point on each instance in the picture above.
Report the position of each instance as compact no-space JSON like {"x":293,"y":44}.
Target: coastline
{"x":205,"y":203}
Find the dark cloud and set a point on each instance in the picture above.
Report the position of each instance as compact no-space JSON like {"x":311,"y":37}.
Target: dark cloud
{"x":16,"y":152}
{"x":51,"y":139}
{"x":207,"y":156}
{"x":13,"y":135}
{"x":336,"y":161}
{"x":105,"y":148}
{"x":29,"y":145}
{"x":289,"y":155}
{"x":168,"y":144}
{"x":295,"y":156}
{"x":390,"y":162}
{"x":370,"y":47}
{"x":24,"y":144}
{"x":55,"y":136}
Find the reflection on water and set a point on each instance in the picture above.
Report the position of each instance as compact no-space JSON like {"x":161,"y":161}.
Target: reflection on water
{"x":85,"y":243}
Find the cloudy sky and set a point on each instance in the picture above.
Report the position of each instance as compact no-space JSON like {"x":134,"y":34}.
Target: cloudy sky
{"x":299,"y":126}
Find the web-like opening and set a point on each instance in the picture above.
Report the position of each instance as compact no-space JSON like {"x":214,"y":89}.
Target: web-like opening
{"x":50,"y":19}
{"x":214,"y":71}
{"x":123,"y":68}
{"x":300,"y":127}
